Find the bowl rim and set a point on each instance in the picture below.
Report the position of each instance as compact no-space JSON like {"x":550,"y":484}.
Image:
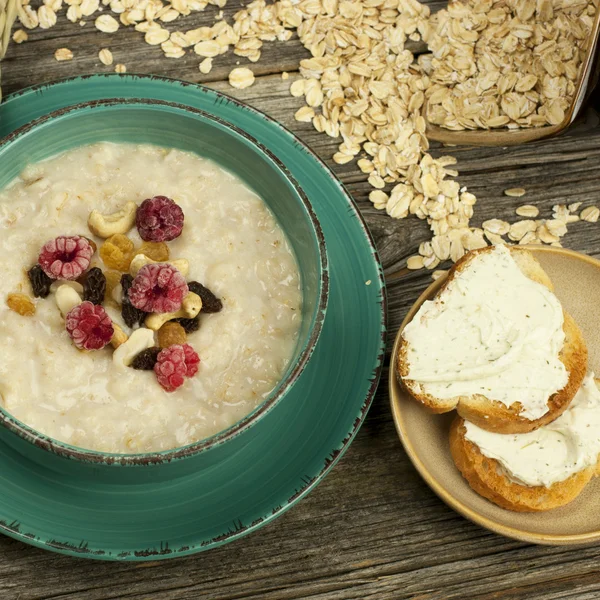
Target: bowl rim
{"x":85,"y":455}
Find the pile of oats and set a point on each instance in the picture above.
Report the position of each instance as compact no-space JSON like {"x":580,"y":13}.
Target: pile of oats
{"x":505,"y":63}
{"x":493,"y":63}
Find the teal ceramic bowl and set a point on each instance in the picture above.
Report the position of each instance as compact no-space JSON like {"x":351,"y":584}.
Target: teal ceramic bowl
{"x":176,"y":126}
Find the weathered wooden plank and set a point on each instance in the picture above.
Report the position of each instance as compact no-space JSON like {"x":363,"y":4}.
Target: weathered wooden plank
{"x":372,"y":529}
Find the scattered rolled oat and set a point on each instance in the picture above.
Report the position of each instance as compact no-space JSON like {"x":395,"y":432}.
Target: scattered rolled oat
{"x":515,"y":192}
{"x":105,"y":56}
{"x":241,"y":78}
{"x":285,"y":75}
{"x":20,"y":36}
{"x":120,"y":68}
{"x":206,"y":65}
{"x":415,"y":262}
{"x":528,"y":210}
{"x":63,"y":54}
{"x":590,"y":214}
{"x":106,"y":24}
{"x":438,"y":273}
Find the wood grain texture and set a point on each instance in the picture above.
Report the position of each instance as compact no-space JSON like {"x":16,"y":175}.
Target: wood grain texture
{"x":372,"y":529}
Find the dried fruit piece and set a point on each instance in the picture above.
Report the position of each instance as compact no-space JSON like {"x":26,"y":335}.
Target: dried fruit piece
{"x":117,"y":252}
{"x":66,"y":257}
{"x":171,"y":334}
{"x":210,"y":303}
{"x":89,"y":326}
{"x":94,"y":286}
{"x":158,"y":288}
{"x":159,"y":219}
{"x":157,"y":251}
{"x":40,"y":282}
{"x":113,"y":279}
{"x":131,"y":315}
{"x":189,"y":325}
{"x":146,"y":359}
{"x":21,"y":304}
{"x":174,"y":364}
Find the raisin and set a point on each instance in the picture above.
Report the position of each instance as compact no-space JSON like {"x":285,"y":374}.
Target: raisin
{"x":131,"y":315}
{"x":171,"y":334}
{"x":40,"y":282}
{"x":94,"y":286}
{"x":189,"y":325}
{"x":146,"y":359}
{"x":210,"y":303}
{"x":117,"y":252}
{"x":157,"y":251}
{"x":21,"y":304}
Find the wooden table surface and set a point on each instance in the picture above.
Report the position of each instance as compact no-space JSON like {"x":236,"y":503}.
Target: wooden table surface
{"x":372,"y":529}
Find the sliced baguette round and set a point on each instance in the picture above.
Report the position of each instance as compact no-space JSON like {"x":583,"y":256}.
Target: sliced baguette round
{"x":491,"y":414}
{"x":486,"y":476}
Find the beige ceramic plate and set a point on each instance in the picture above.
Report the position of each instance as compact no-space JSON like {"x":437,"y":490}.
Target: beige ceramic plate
{"x":576,"y":280}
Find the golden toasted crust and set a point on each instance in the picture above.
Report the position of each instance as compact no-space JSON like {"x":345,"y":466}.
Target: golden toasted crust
{"x":486,"y":476}
{"x":491,"y":414}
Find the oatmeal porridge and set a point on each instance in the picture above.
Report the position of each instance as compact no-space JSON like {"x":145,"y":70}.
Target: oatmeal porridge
{"x":122,"y":363}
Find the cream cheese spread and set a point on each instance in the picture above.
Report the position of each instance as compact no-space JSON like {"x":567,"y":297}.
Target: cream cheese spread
{"x":492,"y":331}
{"x":551,"y":453}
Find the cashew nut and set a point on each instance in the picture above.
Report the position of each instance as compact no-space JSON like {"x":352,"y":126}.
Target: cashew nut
{"x":72,"y":284}
{"x":190,"y":307}
{"x":119,"y":222}
{"x":66,"y":299}
{"x":119,"y":336}
{"x":141,"y":339}
{"x":141,"y":260}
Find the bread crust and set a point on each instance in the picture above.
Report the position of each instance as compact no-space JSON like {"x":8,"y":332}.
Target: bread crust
{"x":486,"y":476}
{"x":493,"y":415}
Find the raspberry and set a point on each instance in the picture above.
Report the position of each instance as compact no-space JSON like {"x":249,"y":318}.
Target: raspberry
{"x":40,"y":282}
{"x":159,"y":219}
{"x":158,"y":288}
{"x":89,"y":326}
{"x":210,"y":303}
{"x":174,"y":364}
{"x":65,"y":257}
{"x":171,"y":334}
{"x":94,"y":286}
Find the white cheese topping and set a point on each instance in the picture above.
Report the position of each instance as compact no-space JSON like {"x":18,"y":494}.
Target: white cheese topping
{"x":492,"y":331}
{"x":551,"y":453}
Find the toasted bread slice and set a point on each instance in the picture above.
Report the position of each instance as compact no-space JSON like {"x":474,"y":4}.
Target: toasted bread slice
{"x":491,"y":414}
{"x":486,"y":476}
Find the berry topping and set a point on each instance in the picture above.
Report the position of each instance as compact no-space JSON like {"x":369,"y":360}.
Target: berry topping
{"x":66,"y":257}
{"x":174,"y":364}
{"x":146,"y":359}
{"x":159,"y":219}
{"x":189,"y":325}
{"x":131,"y":315}
{"x":158,"y":288}
{"x":171,"y":334}
{"x":21,"y":304}
{"x":210,"y":303}
{"x":94,"y":286}
{"x":89,"y":326}
{"x":40,"y":282}
{"x":117,"y":252}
